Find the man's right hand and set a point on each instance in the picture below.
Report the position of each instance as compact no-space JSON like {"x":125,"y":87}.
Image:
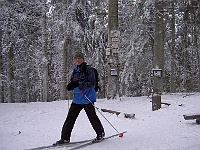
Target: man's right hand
{"x":72,"y":85}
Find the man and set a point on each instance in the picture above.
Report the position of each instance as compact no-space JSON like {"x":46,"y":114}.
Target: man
{"x":82,"y":78}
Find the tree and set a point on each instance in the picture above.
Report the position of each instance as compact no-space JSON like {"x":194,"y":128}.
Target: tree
{"x":1,"y":71}
{"x":113,"y":61}
{"x":158,"y":59}
{"x":172,"y":74}
{"x":45,"y":56}
{"x":136,"y":46}
{"x":10,"y":74}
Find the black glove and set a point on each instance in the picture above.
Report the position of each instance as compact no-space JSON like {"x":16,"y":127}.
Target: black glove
{"x":72,"y":85}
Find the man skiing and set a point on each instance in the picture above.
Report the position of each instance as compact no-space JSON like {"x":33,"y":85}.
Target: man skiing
{"x":85,"y":82}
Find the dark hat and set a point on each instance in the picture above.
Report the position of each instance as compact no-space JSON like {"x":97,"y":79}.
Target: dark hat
{"x":79,"y":55}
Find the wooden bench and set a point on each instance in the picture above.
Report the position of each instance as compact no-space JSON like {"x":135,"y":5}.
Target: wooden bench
{"x":193,"y":116}
{"x":130,"y":116}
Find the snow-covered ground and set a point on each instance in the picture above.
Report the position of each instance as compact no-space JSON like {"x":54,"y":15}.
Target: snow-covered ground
{"x":24,"y":126}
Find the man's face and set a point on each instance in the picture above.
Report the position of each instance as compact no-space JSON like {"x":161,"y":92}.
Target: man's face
{"x":78,"y":60}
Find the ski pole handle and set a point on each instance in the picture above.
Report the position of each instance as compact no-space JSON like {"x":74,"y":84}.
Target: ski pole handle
{"x":82,"y":92}
{"x":86,"y":97}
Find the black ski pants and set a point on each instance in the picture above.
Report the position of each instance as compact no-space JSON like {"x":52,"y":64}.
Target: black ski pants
{"x":72,"y":116}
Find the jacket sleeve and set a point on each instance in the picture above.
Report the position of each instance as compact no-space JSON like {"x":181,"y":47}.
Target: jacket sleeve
{"x":89,"y":81}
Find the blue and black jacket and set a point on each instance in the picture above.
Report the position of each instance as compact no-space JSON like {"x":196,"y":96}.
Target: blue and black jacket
{"x":85,"y":76}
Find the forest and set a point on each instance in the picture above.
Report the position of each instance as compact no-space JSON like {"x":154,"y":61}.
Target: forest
{"x":40,"y":37}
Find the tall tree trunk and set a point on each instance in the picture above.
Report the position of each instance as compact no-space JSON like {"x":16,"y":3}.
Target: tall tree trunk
{"x":172,"y":85}
{"x":63,"y":91}
{"x":158,"y":61}
{"x":45,"y":56}
{"x":196,"y":36}
{"x":113,"y":79}
{"x":185,"y":45}
{"x":1,"y":70}
{"x":27,"y":75}
{"x":10,"y":74}
{"x":196,"y":33}
{"x":198,"y":57}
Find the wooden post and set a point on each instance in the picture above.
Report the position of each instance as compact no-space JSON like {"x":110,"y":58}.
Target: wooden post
{"x":156,"y":102}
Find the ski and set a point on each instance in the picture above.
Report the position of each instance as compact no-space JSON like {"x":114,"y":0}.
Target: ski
{"x":91,"y":142}
{"x":59,"y":145}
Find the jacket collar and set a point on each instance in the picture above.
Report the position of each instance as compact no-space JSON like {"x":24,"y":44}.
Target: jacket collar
{"x":79,"y":67}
